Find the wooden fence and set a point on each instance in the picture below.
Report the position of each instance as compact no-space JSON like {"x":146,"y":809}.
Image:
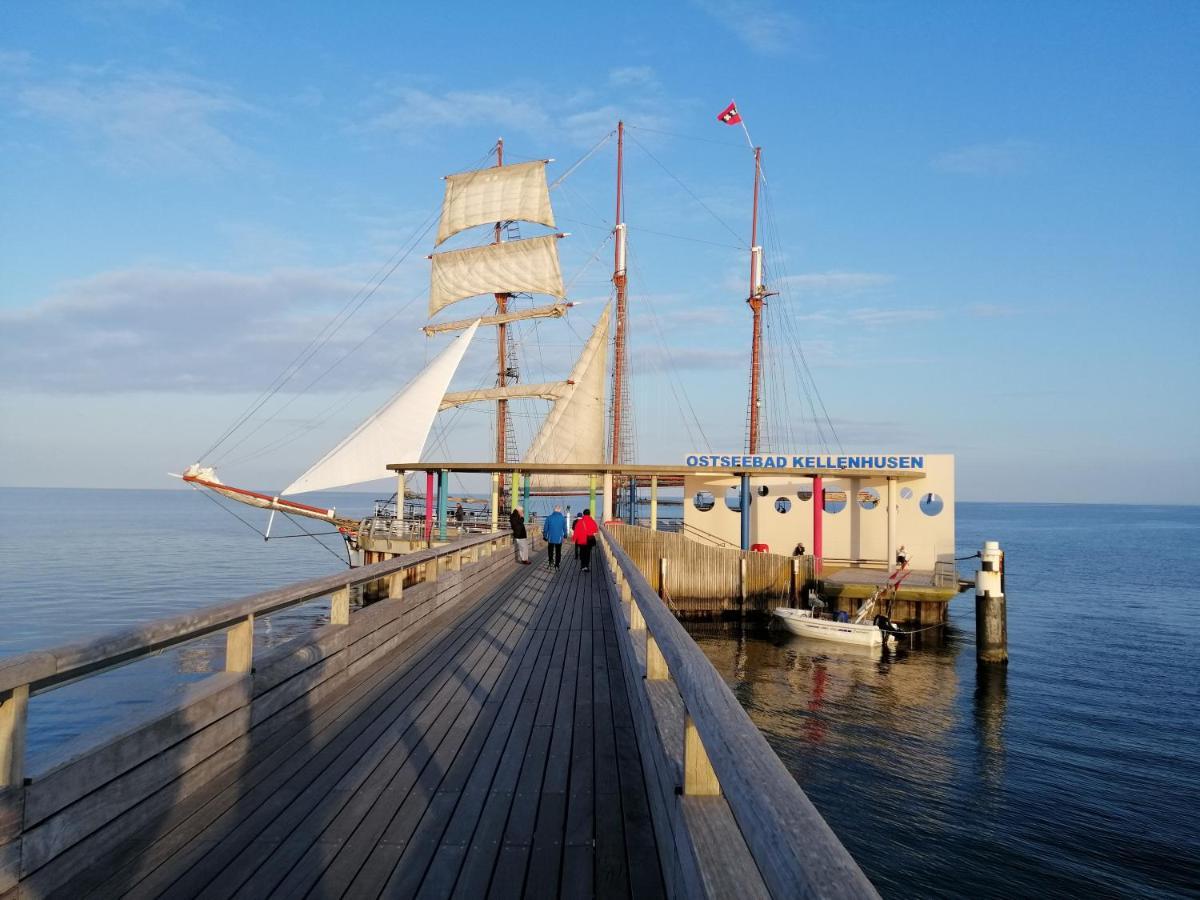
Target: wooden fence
{"x":701,"y":579}
{"x":55,"y":821}
{"x":729,"y":818}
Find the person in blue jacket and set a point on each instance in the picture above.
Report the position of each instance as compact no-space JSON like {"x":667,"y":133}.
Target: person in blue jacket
{"x":554,"y":529}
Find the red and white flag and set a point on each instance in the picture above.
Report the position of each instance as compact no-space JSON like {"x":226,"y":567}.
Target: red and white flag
{"x":730,"y":115}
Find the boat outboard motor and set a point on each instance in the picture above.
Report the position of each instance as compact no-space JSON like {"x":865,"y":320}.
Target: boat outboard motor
{"x":884,"y":624}
{"x":815,"y":603}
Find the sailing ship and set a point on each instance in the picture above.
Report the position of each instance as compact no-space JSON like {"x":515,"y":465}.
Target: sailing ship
{"x":505,"y":268}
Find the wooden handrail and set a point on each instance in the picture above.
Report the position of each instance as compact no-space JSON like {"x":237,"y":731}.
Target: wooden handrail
{"x":794,"y":849}
{"x":44,"y":669}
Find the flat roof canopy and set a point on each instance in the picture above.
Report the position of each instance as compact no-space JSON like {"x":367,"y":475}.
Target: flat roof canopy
{"x":606,"y":469}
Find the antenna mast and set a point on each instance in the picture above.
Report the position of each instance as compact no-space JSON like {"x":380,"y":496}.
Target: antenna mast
{"x":757,"y":301}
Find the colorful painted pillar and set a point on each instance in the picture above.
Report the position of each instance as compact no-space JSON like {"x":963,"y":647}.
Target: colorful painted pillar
{"x":428,"y":506}
{"x":443,"y":489}
{"x":653,"y":502}
{"x":633,"y":495}
{"x":514,"y":491}
{"x":592,"y":494}
{"x":892,"y":513}
{"x":608,"y":498}
{"x":525,"y":492}
{"x":495,"y":500}
{"x":818,"y":549}
{"x":744,"y":504}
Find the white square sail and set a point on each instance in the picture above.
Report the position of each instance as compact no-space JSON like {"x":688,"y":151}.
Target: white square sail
{"x":500,"y":194}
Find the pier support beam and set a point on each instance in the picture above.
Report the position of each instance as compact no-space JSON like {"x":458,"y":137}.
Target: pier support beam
{"x":991,"y":624}
{"x":400,"y":496}
{"x":818,"y":499}
{"x":592,"y":494}
{"x":525,"y":482}
{"x":429,"y":507}
{"x":495,"y":517}
{"x":608,"y":498}
{"x":514,"y":489}
{"x":654,"y":503}
{"x":744,"y":505}
{"x":443,"y":489}
{"x":892,"y":514}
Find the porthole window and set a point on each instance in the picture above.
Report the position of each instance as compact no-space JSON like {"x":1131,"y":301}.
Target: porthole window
{"x":763,"y":490}
{"x":835,"y":499}
{"x":932,"y":504}
{"x":733,"y":497}
{"x":805,"y":494}
{"x":704,"y":501}
{"x":868,"y":498}
{"x":783,"y":504}
{"x":905,"y":493}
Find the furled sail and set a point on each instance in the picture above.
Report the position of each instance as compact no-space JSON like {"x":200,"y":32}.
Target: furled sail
{"x":510,"y":267}
{"x":499,"y":194}
{"x":396,"y":431}
{"x":574,"y":430}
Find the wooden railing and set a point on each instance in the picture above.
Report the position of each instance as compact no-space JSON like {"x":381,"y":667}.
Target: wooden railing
{"x":95,"y":797}
{"x":730,"y":819}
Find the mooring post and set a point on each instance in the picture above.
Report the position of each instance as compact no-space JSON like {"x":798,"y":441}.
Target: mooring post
{"x":991,"y":617}
{"x":795,"y":585}
{"x":818,"y":547}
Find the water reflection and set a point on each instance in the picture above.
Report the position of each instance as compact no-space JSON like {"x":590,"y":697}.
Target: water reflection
{"x":991,"y":701}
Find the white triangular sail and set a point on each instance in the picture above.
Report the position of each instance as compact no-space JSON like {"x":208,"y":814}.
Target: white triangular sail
{"x":500,"y":194}
{"x":510,"y":267}
{"x":574,"y":430}
{"x":397,"y":431}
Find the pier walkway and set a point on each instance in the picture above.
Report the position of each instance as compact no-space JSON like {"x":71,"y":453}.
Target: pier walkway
{"x":489,"y":730}
{"x":498,"y":759}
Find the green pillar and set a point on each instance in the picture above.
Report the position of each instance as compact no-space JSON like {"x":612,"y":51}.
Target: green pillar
{"x":443,"y":491}
{"x":525,"y":492}
{"x":514,"y":490}
{"x":592,"y":494}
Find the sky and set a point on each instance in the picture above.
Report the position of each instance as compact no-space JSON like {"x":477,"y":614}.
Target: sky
{"x":980,"y":224}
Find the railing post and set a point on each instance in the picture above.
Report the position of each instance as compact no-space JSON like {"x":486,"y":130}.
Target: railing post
{"x":699,"y":779}
{"x":239,"y":646}
{"x":656,"y":665}
{"x":339,"y":607}
{"x":635,"y":616}
{"x":396,"y":585}
{"x":14,"y":712}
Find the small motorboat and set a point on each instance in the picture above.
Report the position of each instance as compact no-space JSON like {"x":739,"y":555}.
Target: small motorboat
{"x":803,"y":623}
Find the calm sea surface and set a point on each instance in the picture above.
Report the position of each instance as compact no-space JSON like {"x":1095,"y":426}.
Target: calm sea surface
{"x":1075,"y":773}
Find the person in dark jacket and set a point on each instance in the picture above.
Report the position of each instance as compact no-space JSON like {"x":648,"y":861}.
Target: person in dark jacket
{"x":584,"y":536}
{"x":516,"y":521}
{"x":554,"y":530}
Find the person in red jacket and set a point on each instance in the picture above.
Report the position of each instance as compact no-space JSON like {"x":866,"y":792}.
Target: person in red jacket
{"x":584,"y":536}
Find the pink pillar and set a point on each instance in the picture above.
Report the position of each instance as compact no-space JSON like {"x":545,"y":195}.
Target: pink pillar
{"x":428,"y":506}
{"x":818,"y":508}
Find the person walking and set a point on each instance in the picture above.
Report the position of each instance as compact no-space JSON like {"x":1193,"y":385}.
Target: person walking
{"x":516,"y":521}
{"x":584,"y":536}
{"x":554,"y":529}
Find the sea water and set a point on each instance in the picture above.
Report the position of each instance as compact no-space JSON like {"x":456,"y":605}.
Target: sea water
{"x":1075,"y":772}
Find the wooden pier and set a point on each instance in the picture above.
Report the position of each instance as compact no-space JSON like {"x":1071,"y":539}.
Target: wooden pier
{"x":489,"y":729}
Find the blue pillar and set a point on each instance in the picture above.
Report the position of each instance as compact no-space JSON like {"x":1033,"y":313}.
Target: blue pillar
{"x":442,"y":490}
{"x":745,"y":503}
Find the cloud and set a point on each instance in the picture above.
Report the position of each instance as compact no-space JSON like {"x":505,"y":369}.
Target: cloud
{"x":1009,"y":157}
{"x":579,"y":116}
{"x":760,"y":26}
{"x":15,"y":62}
{"x":143,"y":120}
{"x":878,"y":317}
{"x":148,"y":329}
{"x":992,"y":311}
{"x":836,"y":282}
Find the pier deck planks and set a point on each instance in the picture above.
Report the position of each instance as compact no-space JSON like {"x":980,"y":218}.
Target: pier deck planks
{"x":497,"y":758}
